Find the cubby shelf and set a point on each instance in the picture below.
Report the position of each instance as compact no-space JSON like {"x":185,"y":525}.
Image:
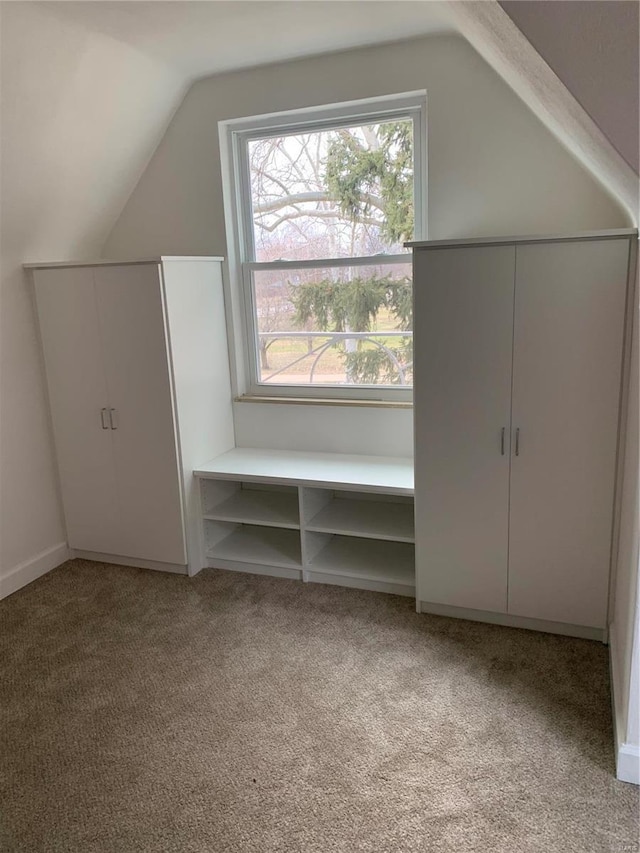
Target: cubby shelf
{"x":368,"y":560}
{"x":368,"y":519}
{"x":266,"y":508}
{"x":267,"y":546}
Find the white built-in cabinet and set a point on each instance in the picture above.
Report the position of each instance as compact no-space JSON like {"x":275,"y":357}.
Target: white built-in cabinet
{"x":519,"y":349}
{"x":138,"y":379}
{"x":320,"y":517}
{"x":519,"y":381}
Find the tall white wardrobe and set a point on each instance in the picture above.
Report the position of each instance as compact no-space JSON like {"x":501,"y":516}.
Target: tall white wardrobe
{"x":138,"y":378}
{"x":519,"y":353}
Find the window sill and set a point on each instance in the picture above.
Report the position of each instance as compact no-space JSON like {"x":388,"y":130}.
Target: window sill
{"x":326,"y":401}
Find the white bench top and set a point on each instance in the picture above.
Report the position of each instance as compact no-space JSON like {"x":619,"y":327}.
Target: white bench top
{"x":382,"y":474}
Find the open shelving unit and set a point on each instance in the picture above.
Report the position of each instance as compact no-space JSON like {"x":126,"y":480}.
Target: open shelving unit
{"x":317,"y":517}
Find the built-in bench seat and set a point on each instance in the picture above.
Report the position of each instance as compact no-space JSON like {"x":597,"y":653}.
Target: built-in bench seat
{"x":323,"y":517}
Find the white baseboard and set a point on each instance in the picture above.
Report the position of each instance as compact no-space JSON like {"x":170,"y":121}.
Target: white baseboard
{"x":582,"y":631}
{"x":627,"y":754}
{"x":255,"y":569}
{"x":134,"y":562}
{"x":628,"y":763}
{"x":30,"y":570}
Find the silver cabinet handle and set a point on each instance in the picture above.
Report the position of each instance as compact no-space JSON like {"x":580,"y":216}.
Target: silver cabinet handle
{"x":502,"y":431}
{"x":113,"y":418}
{"x":518,"y":441}
{"x":105,"y":418}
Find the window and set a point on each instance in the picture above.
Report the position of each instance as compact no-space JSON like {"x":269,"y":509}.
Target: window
{"x":321,"y":203}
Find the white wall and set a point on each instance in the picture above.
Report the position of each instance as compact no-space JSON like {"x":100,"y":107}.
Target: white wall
{"x":81,"y":115}
{"x":625,"y":625}
{"x":627,"y":557}
{"x":493,"y":169}
{"x":334,"y":429}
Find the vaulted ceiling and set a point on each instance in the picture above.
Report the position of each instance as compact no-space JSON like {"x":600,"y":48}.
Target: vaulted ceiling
{"x":203,"y":38}
{"x":89,"y":88}
{"x":597,"y":60}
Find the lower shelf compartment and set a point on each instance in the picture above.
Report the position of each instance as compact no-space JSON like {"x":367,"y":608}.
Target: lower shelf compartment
{"x":365,"y":563}
{"x":255,"y":569}
{"x":267,"y":546}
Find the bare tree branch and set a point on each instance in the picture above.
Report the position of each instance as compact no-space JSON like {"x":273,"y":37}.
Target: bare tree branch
{"x":320,"y":214}
{"x":297,"y":198}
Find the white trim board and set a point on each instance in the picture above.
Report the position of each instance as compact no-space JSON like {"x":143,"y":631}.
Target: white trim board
{"x":628,"y":763}
{"x":607,"y":234}
{"x":132,"y":562}
{"x":627,"y":755}
{"x":253,"y":569}
{"x":508,"y":621}
{"x":34,"y":568}
{"x":158,"y":259}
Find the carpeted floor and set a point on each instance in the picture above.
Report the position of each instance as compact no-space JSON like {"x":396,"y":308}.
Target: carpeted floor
{"x":148,"y":712}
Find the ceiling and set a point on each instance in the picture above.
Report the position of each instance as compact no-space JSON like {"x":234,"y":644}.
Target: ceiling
{"x":211,"y":36}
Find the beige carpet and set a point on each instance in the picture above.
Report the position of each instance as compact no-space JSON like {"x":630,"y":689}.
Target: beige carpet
{"x":148,"y":712}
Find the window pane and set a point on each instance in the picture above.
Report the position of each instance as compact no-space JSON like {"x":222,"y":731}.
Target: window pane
{"x":335,"y":326}
{"x":342,"y":192}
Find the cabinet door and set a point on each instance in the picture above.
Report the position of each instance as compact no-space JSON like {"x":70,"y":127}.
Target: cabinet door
{"x":77,"y":392}
{"x":463,"y":312}
{"x":569,"y":318}
{"x":132,"y":325}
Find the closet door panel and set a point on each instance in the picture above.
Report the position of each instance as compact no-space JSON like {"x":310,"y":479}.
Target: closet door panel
{"x":77,"y":392}
{"x":569,"y":318}
{"x":463,"y":311}
{"x":132,"y":323}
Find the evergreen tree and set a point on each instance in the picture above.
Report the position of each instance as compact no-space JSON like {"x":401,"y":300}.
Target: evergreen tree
{"x":366,"y":180}
{"x":356,"y":174}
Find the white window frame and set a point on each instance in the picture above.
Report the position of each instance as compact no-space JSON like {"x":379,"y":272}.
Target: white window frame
{"x":235,"y":135}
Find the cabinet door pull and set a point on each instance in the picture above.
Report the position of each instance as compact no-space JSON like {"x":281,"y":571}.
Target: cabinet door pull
{"x":113,"y":418}
{"x":502,"y":431}
{"x":518,"y":441}
{"x":105,"y":418}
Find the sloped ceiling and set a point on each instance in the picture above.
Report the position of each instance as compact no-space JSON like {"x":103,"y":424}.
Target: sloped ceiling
{"x":204,"y":38}
{"x":80,"y":115}
{"x":597,"y":60}
{"x":507,"y":50}
{"x":89,"y":88}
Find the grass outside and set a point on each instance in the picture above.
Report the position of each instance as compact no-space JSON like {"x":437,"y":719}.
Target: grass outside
{"x":329,"y":365}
